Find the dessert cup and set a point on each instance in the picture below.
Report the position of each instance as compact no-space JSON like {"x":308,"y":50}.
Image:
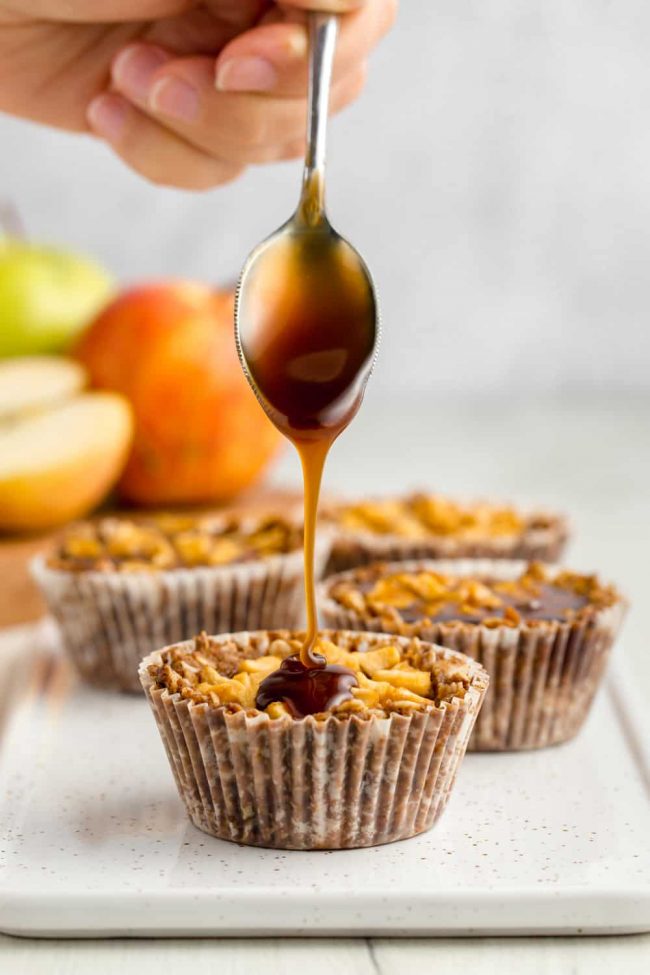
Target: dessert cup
{"x":544,"y":673}
{"x":350,"y":777}
{"x":110,"y":616}
{"x":430,"y":526}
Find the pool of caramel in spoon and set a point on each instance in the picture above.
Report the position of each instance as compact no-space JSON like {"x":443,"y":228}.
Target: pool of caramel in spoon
{"x":309,"y":341}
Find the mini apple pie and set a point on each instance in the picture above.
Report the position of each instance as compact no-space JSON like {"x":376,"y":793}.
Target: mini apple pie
{"x":361,"y":750}
{"x":543,"y":634}
{"x":421,"y":526}
{"x":120,"y":587}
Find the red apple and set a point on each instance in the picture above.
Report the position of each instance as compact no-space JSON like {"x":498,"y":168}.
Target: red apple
{"x":200,"y":434}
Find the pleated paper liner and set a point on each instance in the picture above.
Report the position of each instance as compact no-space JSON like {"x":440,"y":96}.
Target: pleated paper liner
{"x":306,"y":784}
{"x":110,"y":620}
{"x":543,"y":544}
{"x":543,"y":676}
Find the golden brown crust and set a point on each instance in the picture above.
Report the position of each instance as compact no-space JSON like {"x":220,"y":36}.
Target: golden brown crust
{"x":385,"y":592}
{"x":423,"y":515}
{"x":168,"y":542}
{"x":430,"y":526}
{"x":392,"y":677}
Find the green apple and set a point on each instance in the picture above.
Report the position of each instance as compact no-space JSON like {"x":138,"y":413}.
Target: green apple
{"x":46,"y":297}
{"x":32,"y":383}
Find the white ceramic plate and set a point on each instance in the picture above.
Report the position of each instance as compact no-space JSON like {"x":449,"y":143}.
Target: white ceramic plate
{"x":95,"y":841}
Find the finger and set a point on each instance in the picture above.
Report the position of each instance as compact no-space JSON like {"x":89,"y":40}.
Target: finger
{"x":292,"y":150}
{"x":207,"y":28}
{"x":273,"y":57}
{"x":113,"y":11}
{"x":327,"y":6}
{"x":180,"y":93}
{"x":262,"y":139}
{"x":232,"y":14}
{"x":153,"y":151}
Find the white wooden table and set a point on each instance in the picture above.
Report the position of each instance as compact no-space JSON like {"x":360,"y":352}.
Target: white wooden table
{"x":493,"y":956}
{"x":592,"y":458}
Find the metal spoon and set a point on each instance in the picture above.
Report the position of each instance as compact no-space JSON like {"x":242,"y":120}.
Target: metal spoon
{"x":306,"y":267}
{"x":306,"y":323}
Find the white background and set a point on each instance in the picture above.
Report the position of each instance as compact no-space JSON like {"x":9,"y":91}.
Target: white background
{"x":496,"y":175}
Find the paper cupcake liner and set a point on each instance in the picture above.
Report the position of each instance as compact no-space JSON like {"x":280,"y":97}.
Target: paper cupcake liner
{"x":110,"y":620}
{"x":309,"y":784}
{"x":353,"y":549}
{"x":543,"y":677}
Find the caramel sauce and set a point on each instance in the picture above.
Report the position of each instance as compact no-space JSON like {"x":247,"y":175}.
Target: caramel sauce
{"x":306,"y":689}
{"x":308,"y":345}
{"x":552,"y":603}
{"x":549,"y":603}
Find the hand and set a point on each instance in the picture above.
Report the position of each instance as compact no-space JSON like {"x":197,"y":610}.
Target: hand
{"x":187,"y":93}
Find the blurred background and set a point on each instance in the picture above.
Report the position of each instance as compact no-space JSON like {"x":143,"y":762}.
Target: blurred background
{"x":495,"y":175}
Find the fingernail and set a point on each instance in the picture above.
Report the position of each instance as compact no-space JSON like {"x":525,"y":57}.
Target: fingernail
{"x":297,"y":43}
{"x":107,"y":116}
{"x":134,"y":68}
{"x":176,"y":98}
{"x":246,"y":74}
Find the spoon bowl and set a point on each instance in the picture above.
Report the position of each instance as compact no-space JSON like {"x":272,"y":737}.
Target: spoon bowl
{"x":307,"y":334}
{"x":306,"y":316}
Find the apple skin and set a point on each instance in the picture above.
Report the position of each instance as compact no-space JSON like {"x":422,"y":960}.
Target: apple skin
{"x":46,"y":297}
{"x":200,"y":434}
{"x":94,"y":431}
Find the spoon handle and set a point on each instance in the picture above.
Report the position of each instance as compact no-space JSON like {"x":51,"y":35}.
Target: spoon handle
{"x":322,"y":44}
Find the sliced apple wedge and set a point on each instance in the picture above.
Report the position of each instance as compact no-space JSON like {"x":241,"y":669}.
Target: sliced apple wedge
{"x":36,"y":383}
{"x":59,"y":464}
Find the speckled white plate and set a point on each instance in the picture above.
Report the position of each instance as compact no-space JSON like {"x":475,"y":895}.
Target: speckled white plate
{"x":95,"y":841}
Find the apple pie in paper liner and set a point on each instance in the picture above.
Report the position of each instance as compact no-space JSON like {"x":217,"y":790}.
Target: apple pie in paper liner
{"x":432,"y":526}
{"x":336,"y":780}
{"x":544,"y":674}
{"x":109,"y":620}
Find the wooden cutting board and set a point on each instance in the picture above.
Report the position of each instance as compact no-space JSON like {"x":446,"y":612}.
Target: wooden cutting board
{"x":20,"y":601}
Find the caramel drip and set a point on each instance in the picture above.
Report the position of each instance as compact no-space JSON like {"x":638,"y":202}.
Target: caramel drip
{"x":313,"y":455}
{"x":308,"y":347}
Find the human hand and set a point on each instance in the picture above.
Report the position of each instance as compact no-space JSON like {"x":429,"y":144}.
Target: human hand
{"x":187,"y":93}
